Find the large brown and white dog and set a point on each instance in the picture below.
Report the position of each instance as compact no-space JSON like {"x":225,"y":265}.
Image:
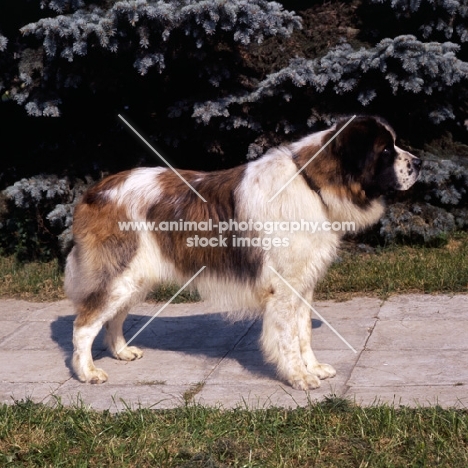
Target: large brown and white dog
{"x":109,"y":269}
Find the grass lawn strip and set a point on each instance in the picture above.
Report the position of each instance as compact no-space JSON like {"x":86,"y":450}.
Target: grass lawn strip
{"x":387,"y":271}
{"x":334,"y":433}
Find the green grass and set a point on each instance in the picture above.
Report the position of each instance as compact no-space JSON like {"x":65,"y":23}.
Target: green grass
{"x":394,"y":270}
{"x":164,"y":292}
{"x":30,"y":281}
{"x":398,"y":270}
{"x":334,"y":433}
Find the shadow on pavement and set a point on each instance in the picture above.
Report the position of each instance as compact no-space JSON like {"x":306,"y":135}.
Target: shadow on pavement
{"x":210,"y":335}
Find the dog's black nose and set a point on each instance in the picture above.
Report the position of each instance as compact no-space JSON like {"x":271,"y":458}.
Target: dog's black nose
{"x":417,"y":162}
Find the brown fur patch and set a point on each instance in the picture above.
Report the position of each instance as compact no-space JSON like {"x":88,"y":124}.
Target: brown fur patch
{"x":346,"y":168}
{"x":179,"y":202}
{"x":101,"y":250}
{"x":323,"y":170}
{"x":326,"y":172}
{"x":89,"y":307}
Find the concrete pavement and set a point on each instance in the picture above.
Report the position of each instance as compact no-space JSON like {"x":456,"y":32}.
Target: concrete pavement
{"x":411,"y":350}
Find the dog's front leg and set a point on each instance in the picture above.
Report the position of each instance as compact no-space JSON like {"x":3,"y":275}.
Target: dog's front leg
{"x":304,"y":326}
{"x":281,"y":341}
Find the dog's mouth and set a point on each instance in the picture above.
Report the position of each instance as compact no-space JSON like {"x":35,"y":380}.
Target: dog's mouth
{"x":407,"y":170}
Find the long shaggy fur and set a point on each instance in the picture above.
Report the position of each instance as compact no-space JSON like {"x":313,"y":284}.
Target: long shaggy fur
{"x":109,"y":269}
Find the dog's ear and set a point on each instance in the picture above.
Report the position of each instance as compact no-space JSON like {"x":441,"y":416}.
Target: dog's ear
{"x":355,"y":141}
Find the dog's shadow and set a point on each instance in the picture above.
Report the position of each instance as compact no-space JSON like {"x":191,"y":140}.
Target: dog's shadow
{"x":210,"y":335}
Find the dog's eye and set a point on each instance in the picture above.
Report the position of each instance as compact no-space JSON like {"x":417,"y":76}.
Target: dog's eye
{"x":387,"y":152}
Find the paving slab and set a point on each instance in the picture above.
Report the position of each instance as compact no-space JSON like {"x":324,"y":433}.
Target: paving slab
{"x":408,"y":350}
{"x":419,"y":334}
{"x":259,"y":396}
{"x":19,"y":311}
{"x":119,"y":397}
{"x":18,"y":391}
{"x":8,"y":328}
{"x":426,"y":306}
{"x":415,"y":396}
{"x":410,"y":368}
{"x":41,"y":366}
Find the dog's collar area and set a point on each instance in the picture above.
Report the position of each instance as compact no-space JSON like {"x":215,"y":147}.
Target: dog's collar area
{"x":309,"y":181}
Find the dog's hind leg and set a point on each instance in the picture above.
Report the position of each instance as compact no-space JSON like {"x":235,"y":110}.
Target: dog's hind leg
{"x":115,"y":339}
{"x":87,"y":325}
{"x":98,"y":310}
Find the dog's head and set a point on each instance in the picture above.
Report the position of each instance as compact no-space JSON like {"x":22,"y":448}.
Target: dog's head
{"x":368,"y":155}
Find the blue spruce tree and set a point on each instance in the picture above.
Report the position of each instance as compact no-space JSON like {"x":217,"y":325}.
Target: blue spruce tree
{"x":216,"y":82}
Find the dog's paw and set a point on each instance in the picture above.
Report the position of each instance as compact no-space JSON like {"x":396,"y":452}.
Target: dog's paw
{"x":86,"y":371}
{"x":322,"y":371}
{"x":130,"y":353}
{"x":305,"y":382}
{"x":98,"y":376}
{"x":93,"y":376}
